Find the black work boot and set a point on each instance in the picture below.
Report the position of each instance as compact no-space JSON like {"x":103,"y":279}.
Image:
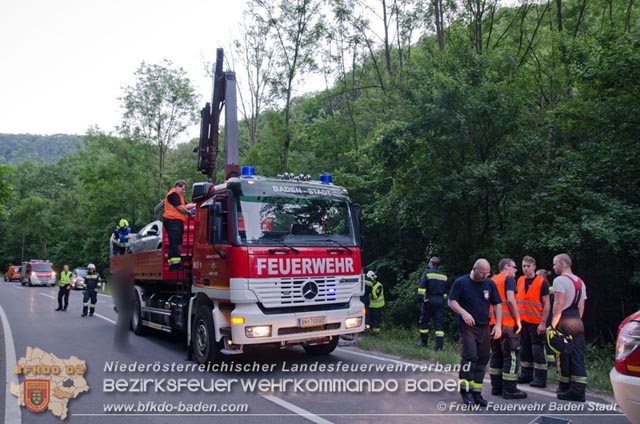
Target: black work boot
{"x":467,"y":397}
{"x":496,"y":384}
{"x":439,"y":342}
{"x":539,"y":379}
{"x":479,"y":400}
{"x":526,"y":375}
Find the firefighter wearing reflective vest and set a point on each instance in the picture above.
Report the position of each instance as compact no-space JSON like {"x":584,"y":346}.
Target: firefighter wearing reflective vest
{"x":504,"y":362}
{"x":64,"y":287}
{"x":432,"y":292}
{"x":120,"y":238}
{"x":92,"y":281}
{"x":376,"y":302}
{"x":175,"y":216}
{"x":534,"y":307}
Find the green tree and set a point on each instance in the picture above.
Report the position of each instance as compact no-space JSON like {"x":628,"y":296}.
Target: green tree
{"x":158,"y":108}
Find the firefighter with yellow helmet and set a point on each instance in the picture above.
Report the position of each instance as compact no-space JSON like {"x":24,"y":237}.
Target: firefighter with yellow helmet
{"x":120,"y":238}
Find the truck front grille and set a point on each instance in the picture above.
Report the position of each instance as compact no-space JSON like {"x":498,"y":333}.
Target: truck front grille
{"x":303,"y":291}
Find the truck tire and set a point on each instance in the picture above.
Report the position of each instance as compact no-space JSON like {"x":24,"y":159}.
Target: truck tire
{"x":323,"y":349}
{"x":136,"y":318}
{"x":205,"y":348}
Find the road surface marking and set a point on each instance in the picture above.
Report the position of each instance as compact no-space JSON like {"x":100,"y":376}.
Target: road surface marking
{"x":11,"y":408}
{"x":48,"y":295}
{"x":297,"y":410}
{"x":105,"y":318}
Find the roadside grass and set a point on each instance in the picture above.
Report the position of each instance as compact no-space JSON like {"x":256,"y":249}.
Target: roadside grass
{"x":402,"y":342}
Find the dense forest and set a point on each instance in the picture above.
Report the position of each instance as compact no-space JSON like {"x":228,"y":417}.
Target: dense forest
{"x":16,"y":148}
{"x":465,"y":130}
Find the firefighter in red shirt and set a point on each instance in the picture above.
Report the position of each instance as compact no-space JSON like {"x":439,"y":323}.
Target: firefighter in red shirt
{"x":175,"y":216}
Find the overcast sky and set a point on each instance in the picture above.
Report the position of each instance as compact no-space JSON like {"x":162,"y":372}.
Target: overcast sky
{"x":63,"y":62}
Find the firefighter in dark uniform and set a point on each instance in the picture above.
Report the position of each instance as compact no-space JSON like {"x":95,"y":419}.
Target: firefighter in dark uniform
{"x":176,"y":213}
{"x":505,"y":360}
{"x":470,"y":297}
{"x":64,"y":288}
{"x":376,"y":302}
{"x":92,"y":281}
{"x":366,"y":298}
{"x":432,"y":292}
{"x":570,"y":294}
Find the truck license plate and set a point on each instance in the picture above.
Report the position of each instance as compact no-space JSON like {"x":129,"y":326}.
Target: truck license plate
{"x":311,"y":321}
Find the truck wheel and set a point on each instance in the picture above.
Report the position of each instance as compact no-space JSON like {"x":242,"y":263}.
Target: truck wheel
{"x":323,"y":349}
{"x":205,"y":348}
{"x":136,"y":318}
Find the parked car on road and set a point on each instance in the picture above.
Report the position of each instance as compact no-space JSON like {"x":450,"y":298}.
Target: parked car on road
{"x":148,"y":238}
{"x":78,"y":277}
{"x":625,"y":375}
{"x":38,"y":272}
{"x":14,"y":273}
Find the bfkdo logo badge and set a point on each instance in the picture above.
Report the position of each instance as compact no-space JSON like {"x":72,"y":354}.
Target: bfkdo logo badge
{"x":36,"y":394}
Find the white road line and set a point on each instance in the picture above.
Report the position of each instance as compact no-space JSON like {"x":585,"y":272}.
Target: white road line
{"x":105,"y":318}
{"x":105,"y":295}
{"x":11,"y":408}
{"x":48,"y":295}
{"x":297,"y":410}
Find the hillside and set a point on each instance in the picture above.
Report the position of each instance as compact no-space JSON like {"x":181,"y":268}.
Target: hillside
{"x":16,"y":148}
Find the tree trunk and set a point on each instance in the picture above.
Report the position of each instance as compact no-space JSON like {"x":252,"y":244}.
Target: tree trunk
{"x":387,"y":46}
{"x":438,"y":14}
{"x":559,"y":14}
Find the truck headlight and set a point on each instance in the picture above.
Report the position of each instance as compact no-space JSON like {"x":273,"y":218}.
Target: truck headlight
{"x":258,"y":331}
{"x":353,"y":322}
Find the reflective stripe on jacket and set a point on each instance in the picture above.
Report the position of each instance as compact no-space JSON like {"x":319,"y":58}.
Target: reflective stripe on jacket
{"x":170,"y":211}
{"x":529,"y":303}
{"x":507,"y":318}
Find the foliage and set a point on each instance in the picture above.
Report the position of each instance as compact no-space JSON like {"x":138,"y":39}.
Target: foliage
{"x":17,"y":148}
{"x":158,"y":108}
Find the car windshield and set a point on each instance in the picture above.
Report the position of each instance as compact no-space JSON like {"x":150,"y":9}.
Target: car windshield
{"x":81,"y":272}
{"x":16,"y":269}
{"x":276,"y":221}
{"x":41,"y":267}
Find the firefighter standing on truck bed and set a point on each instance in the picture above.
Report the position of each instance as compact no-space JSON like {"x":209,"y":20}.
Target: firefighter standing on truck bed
{"x":175,"y":216}
{"x":92,"y":281}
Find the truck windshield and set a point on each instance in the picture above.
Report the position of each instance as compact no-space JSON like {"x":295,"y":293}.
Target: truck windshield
{"x":295,"y":221}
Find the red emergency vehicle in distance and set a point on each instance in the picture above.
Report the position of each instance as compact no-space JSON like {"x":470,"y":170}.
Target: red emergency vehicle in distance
{"x":267,"y":260}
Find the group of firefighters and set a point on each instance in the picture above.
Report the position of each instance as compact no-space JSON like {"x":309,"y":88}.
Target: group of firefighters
{"x":518,"y":327}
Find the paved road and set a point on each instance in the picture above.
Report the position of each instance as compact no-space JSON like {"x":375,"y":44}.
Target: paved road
{"x":354,"y":387}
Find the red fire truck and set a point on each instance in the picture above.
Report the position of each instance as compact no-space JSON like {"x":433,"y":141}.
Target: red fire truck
{"x":266,"y":260}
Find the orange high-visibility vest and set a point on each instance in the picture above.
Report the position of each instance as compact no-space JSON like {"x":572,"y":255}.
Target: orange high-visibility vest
{"x":170,"y":211}
{"x":529,"y":303}
{"x":507,"y":318}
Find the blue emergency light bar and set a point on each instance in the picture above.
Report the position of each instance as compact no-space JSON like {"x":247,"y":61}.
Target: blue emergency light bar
{"x":326,"y":179}
{"x":248,"y":171}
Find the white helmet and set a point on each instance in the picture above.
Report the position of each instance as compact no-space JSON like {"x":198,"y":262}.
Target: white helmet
{"x":372,"y":275}
{"x":91,"y":266}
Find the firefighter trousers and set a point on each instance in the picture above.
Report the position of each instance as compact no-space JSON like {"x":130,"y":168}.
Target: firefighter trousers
{"x":89,"y":301}
{"x":174,"y":228}
{"x":475,"y":345}
{"x":572,"y":374}
{"x":63,"y":294}
{"x":505,"y":361}
{"x":532,"y":354}
{"x":433,"y":308}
